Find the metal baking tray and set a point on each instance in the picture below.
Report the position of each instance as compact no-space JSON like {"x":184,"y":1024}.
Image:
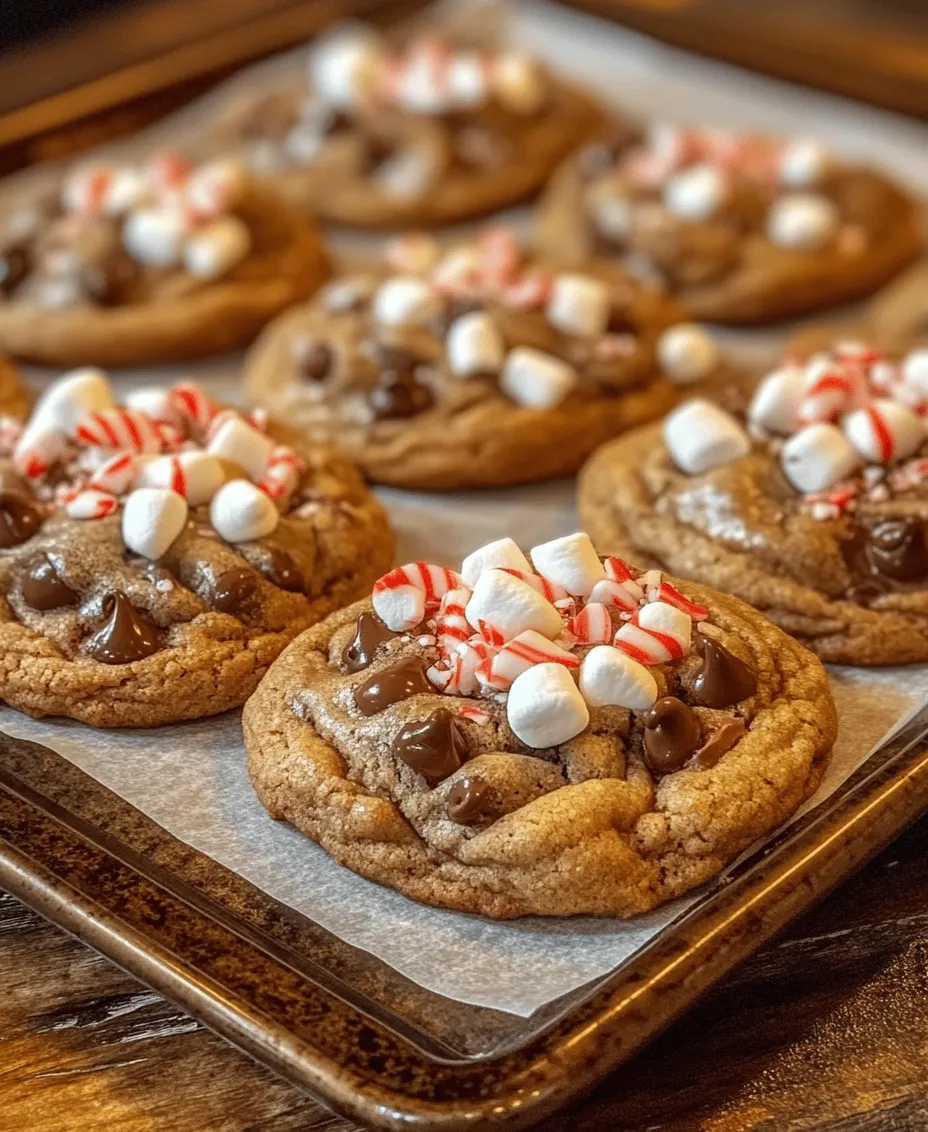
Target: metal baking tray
{"x":345,"y":1026}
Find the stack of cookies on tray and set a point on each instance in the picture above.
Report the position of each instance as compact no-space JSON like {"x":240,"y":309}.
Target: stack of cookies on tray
{"x":593,"y":724}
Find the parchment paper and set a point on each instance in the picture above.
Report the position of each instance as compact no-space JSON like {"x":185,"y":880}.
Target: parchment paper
{"x":191,"y":778}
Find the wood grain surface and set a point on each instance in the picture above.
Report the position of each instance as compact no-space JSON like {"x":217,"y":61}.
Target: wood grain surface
{"x":825,"y":1029}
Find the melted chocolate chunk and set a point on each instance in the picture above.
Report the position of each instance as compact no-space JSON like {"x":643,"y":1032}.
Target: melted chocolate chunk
{"x":724,"y":679}
{"x":405,"y":678}
{"x":469,"y":801}
{"x":719,"y":743}
{"x":370,"y":633}
{"x":43,"y":588}
{"x":313,"y":359}
{"x":284,"y":572}
{"x":397,"y":359}
{"x":234,"y":590}
{"x":125,"y":636}
{"x":14,"y":267}
{"x":434,"y":746}
{"x":671,"y":735}
{"x":20,"y":518}
{"x":398,"y":396}
{"x":891,"y":556}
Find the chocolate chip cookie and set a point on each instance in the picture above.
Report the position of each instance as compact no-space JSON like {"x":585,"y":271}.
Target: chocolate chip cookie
{"x":14,"y":400}
{"x":812,"y":504}
{"x":555,"y":736}
{"x":428,"y":134}
{"x":124,"y":265}
{"x":155,"y":558}
{"x":475,"y":366}
{"x":740,"y":228}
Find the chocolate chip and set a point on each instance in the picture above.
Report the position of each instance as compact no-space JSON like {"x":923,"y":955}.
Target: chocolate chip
{"x":313,"y":359}
{"x":234,"y":590}
{"x":20,"y":518}
{"x":719,"y":743}
{"x":434,"y":746}
{"x":897,"y":549}
{"x":284,"y":572}
{"x":398,"y":396}
{"x":672,"y":734}
{"x":596,"y":159}
{"x":124,"y":636}
{"x":723,"y":679}
{"x":370,"y":633}
{"x":469,"y":801}
{"x":43,"y":587}
{"x":394,"y":358}
{"x":405,"y":678}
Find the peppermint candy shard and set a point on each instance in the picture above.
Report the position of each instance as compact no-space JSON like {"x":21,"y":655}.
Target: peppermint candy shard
{"x":592,"y":625}
{"x":671,"y":596}
{"x":91,"y":503}
{"x":522,"y":652}
{"x":402,"y":596}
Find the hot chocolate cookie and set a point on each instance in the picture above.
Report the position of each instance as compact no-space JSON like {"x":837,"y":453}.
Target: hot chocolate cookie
{"x":740,"y":228}
{"x":477,"y":366}
{"x":428,"y":134}
{"x":155,"y":558}
{"x":14,"y":400}
{"x":128,"y":265}
{"x":551,"y":735}
{"x":812,"y":505}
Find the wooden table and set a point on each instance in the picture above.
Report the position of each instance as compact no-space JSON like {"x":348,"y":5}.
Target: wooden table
{"x":825,"y":1029}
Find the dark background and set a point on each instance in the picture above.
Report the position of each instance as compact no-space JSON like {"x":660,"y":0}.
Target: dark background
{"x":24,"y":19}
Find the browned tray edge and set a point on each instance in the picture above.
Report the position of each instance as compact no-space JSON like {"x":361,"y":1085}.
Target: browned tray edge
{"x":409,"y":1089}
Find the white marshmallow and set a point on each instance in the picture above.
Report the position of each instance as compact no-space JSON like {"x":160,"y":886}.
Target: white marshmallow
{"x":237,"y":441}
{"x":611,"y":211}
{"x":61,"y":408}
{"x":803,"y":163}
{"x":152,"y":518}
{"x":608,"y":676}
{"x":127,"y":190}
{"x":570,"y":561}
{"x":666,"y":618}
{"x":695,"y":193}
{"x":817,"y":457}
{"x":215,"y":187}
{"x":536,"y":379}
{"x":195,"y":475}
{"x":686,"y":353}
{"x":239,"y":512}
{"x":154,"y":402}
{"x":904,"y":431}
{"x":405,"y":300}
{"x":466,"y":80}
{"x":407,"y":173}
{"x":579,"y":304}
{"x":518,"y":83}
{"x":776,"y":401}
{"x":701,"y":436}
{"x":344,"y":67}
{"x":457,"y":268}
{"x":474,"y":345}
{"x":154,"y":237}
{"x":215,"y":249}
{"x":502,"y":553}
{"x":510,"y":606}
{"x":545,"y":707}
{"x":802,"y":220}
{"x":915,"y":370}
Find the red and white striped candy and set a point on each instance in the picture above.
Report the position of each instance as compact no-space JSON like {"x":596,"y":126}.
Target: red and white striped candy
{"x":91,"y":503}
{"x":617,"y":570}
{"x":457,"y":675}
{"x":194,"y":474}
{"x":116,"y":429}
{"x":117,"y":475}
{"x":169,"y":172}
{"x":401,"y":597}
{"x":592,"y":625}
{"x":551,"y":590}
{"x":43,"y":449}
{"x":195,"y":408}
{"x":282,"y":474}
{"x":500,"y":256}
{"x":884,"y":431}
{"x":672,"y":596}
{"x":530,"y":292}
{"x":829,"y":390}
{"x":519,"y":654}
{"x":658,"y":633}
{"x":615,"y":594}
{"x":155,"y":403}
{"x":452,"y":627}
{"x":474,"y":714}
{"x":85,"y":190}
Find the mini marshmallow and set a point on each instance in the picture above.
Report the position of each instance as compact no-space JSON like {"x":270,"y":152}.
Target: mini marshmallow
{"x":213,"y":188}
{"x":803,"y":163}
{"x":405,"y":300}
{"x":695,"y":193}
{"x":127,"y":190}
{"x":510,"y":606}
{"x":59,"y":410}
{"x":156,"y":403}
{"x":533,"y":378}
{"x":914,"y":369}
{"x":884,"y":431}
{"x":152,"y":518}
{"x":817,"y":457}
{"x":474,"y":345}
{"x":154,"y":237}
{"x":238,"y":442}
{"x":579,"y":304}
{"x":570,"y":561}
{"x":776,"y":401}
{"x":686,"y":353}
{"x":701,"y":436}
{"x":609,"y":677}
{"x":802,"y":220}
{"x":518,"y":83}
{"x":195,"y":475}
{"x":215,"y":249}
{"x":665,"y":618}
{"x":610,"y":209}
{"x":545,"y":706}
{"x":344,"y":67}
{"x":504,"y":553}
{"x":466,"y":80}
{"x":239,"y":512}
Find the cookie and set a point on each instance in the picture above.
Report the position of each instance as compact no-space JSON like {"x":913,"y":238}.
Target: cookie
{"x":127,"y":265}
{"x":156,"y":558}
{"x":476,"y":366}
{"x":812,"y":505}
{"x":428,"y":134}
{"x":555,"y":737}
{"x":14,"y":400}
{"x":739,"y":228}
